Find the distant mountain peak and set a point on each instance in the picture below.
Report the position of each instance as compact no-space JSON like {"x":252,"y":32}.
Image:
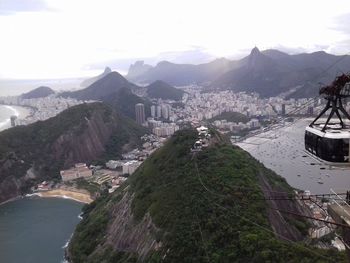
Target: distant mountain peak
{"x":163,"y":62}
{"x":39,"y":92}
{"x":90,"y":81}
{"x":138,"y":69}
{"x":256,"y":59}
{"x":254,"y":51}
{"x":107,"y":70}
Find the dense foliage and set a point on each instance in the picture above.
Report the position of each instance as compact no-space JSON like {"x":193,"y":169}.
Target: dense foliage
{"x":162,"y":90}
{"x":31,"y":143}
{"x":31,"y":146}
{"x":231,"y":117}
{"x":202,"y":205}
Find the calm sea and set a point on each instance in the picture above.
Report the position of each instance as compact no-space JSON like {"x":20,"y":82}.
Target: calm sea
{"x":5,"y":114}
{"x":36,"y":230}
{"x":283,"y":151}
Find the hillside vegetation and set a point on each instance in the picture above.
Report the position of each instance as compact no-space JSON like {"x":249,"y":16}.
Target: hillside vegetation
{"x":162,"y":90}
{"x":114,"y":89}
{"x":83,"y":133}
{"x":231,"y":117}
{"x":185,"y":207}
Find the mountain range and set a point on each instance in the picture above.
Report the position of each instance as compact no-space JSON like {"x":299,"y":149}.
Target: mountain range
{"x":118,"y":92}
{"x":270,"y":73}
{"x":113,"y":89}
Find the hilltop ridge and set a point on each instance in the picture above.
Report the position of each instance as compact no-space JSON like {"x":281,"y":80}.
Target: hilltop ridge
{"x":181,"y":206}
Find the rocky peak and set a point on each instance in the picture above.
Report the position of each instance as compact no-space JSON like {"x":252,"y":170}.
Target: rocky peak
{"x":107,"y":71}
{"x":137,"y":69}
{"x":257,"y":60}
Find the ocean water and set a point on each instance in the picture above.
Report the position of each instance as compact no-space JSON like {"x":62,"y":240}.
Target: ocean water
{"x":36,"y":230}
{"x":5,"y":113}
{"x":283,"y":151}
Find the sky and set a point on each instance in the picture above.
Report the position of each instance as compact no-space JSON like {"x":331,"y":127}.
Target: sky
{"x":72,"y":38}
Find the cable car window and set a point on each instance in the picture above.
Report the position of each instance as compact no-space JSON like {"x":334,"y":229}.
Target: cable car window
{"x":333,"y":150}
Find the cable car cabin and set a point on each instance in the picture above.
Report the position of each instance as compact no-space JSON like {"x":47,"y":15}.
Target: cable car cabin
{"x":332,"y":145}
{"x":329,"y":141}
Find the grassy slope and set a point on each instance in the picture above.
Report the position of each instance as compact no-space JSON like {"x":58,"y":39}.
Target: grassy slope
{"x":217,"y":224}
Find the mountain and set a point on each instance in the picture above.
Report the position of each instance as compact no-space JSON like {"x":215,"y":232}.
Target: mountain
{"x":270,"y":73}
{"x":162,"y":90}
{"x":137,"y":69}
{"x":40,"y":92}
{"x":181,"y":74}
{"x":113,"y":89}
{"x":88,"y":82}
{"x":205,"y":207}
{"x":84,"y":133}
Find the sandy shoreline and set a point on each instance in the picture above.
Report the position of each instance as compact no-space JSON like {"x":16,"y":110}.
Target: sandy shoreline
{"x":67,"y":194}
{"x":21,"y":112}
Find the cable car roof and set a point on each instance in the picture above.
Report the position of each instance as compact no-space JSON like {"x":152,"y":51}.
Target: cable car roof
{"x":330,"y":133}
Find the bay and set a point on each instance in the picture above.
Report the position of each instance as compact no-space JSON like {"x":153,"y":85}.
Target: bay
{"x":283,"y":151}
{"x":36,"y":230}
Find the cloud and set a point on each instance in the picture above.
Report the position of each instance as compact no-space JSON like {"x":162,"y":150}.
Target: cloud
{"x":10,"y":7}
{"x":342,"y":23}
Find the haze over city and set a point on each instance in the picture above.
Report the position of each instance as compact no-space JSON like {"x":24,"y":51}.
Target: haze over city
{"x":174,"y":131}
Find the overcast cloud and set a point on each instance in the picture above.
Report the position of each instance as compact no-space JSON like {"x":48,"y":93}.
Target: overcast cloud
{"x":80,"y":35}
{"x":11,"y":7}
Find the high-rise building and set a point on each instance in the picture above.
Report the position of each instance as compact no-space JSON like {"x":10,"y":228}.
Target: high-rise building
{"x":283,"y":109}
{"x":13,"y":120}
{"x":153,"y":111}
{"x":140,"y":113}
{"x":165,"y":112}
{"x":159,"y":111}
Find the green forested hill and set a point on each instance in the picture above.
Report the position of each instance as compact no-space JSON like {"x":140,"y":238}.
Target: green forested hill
{"x":231,"y":117}
{"x":162,"y":90}
{"x":181,"y":207}
{"x":83,"y":133}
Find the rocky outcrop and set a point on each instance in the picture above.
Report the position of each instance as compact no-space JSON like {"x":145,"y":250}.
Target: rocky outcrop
{"x":124,"y":234}
{"x":29,"y":154}
{"x":84,"y":146}
{"x":90,"y":81}
{"x":279,"y":224}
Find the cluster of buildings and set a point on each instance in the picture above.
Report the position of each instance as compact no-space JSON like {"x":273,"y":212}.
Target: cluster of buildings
{"x":202,"y":140}
{"x":161,"y":111}
{"x":318,"y":209}
{"x":199,"y":105}
{"x":80,"y":170}
{"x":41,"y":108}
{"x":116,"y":171}
{"x":237,"y":126}
{"x":160,"y":123}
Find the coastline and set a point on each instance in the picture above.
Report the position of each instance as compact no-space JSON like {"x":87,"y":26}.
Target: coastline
{"x":66,"y":194}
{"x":11,"y":199}
{"x":21,"y":112}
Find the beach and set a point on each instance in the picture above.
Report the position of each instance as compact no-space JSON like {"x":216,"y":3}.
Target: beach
{"x":6,"y":111}
{"x":67,"y":194}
